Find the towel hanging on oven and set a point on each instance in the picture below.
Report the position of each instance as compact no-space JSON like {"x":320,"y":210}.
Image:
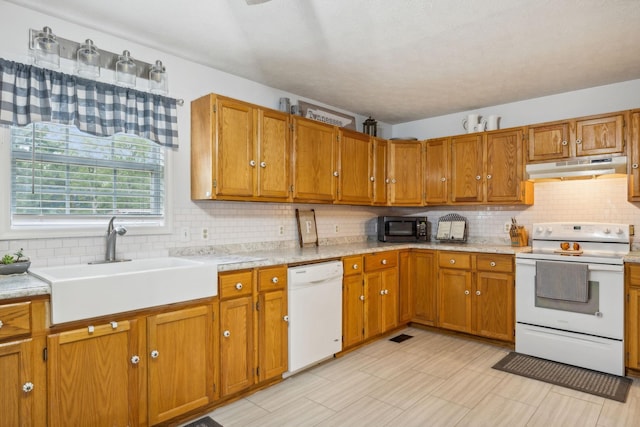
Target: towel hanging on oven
{"x":562,"y":280}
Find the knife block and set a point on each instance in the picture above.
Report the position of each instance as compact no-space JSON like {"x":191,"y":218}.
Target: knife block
{"x":519,"y":236}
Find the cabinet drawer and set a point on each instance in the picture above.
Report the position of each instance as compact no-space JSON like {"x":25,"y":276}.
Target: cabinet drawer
{"x":352,"y":265}
{"x":633,"y":274}
{"x":455,"y":260}
{"x":488,"y":262}
{"x":15,"y":320}
{"x":380,"y":260}
{"x":272,"y":278}
{"x":235,"y":284}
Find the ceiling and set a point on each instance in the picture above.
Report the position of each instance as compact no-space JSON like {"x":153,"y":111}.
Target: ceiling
{"x":397,"y":61}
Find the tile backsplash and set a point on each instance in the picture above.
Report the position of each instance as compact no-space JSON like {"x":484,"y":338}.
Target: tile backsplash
{"x":236,"y":224}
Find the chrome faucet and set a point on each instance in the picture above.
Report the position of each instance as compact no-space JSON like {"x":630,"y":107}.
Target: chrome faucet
{"x":112,"y":234}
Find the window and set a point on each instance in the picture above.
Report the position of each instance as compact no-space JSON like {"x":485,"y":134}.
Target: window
{"x":62,"y":177}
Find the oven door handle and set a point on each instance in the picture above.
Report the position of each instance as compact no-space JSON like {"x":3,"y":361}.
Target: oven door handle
{"x":606,"y":267}
{"x":523,"y":261}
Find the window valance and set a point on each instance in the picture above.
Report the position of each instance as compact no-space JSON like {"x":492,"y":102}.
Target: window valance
{"x":31,"y":94}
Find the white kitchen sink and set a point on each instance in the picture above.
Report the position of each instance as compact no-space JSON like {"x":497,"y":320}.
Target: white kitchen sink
{"x":84,"y":291}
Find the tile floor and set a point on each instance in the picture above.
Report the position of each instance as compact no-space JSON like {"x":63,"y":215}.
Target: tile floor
{"x":429,"y":380}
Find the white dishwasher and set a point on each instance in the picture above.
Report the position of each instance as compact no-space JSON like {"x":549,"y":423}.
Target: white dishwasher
{"x":315,"y":314}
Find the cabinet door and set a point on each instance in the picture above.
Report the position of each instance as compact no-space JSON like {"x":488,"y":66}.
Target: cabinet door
{"x":93,"y":380}
{"x":494,"y":306}
{"x":423,"y":287}
{"x":633,"y":328}
{"x":354,"y":170}
{"x":352,"y":310}
{"x":466,"y":168}
{"x":314,"y":161}
{"x":405,"y":173}
{"x":549,"y":142}
{"x":504,"y":166}
{"x":373,"y":287}
{"x":379,"y":176}
{"x":634,"y":154}
{"x":405,"y":291}
{"x":235,"y":149}
{"x":274,"y":146}
{"x":16,"y":404}
{"x":236,"y":345}
{"x":389,"y":299}
{"x":180,"y":374}
{"x":454,"y":299}
{"x":437,"y":171}
{"x":272,"y":334}
{"x":600,"y":135}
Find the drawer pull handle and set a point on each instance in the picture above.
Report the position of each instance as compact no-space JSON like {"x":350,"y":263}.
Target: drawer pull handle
{"x":90,"y":329}
{"x":27,"y":387}
{"x":114,"y":325}
{"x":355,"y":266}
{"x":452,"y":261}
{"x":239,"y":286}
{"x":155,"y":354}
{"x":274,"y":280}
{"x":492,"y":263}
{"x":135,"y":360}
{"x":1,"y":324}
{"x":285,"y":318}
{"x":383,"y":262}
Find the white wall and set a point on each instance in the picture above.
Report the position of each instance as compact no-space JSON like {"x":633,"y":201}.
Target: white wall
{"x":240,"y":224}
{"x":601,"y":99}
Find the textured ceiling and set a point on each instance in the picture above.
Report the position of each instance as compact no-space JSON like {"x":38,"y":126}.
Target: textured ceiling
{"x":398,"y":60}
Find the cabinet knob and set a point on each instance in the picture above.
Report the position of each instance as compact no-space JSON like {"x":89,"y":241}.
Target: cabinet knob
{"x":285,"y":318}
{"x":239,"y":286}
{"x":452,"y":261}
{"x":393,"y":180}
{"x":252,"y":163}
{"x":489,"y":176}
{"x":226,"y":334}
{"x":578,"y":141}
{"x":564,"y":142}
{"x":382,"y":292}
{"x":361,"y":297}
{"x":467,"y":292}
{"x":443,"y":179}
{"x":355,"y":266}
{"x":478,"y":293}
{"x":155,"y":354}
{"x":478,"y":177}
{"x":263,"y":164}
{"x":27,"y":387}
{"x":386,"y":291}
{"x":114,"y":325}
{"x":383,"y":262}
{"x":387,"y":180}
{"x":335,"y":173}
{"x":274,"y":280}
{"x":492,"y":263}
{"x":1,"y":324}
{"x":634,"y":166}
{"x":372,"y":179}
{"x":135,"y":359}
{"x":90,"y":329}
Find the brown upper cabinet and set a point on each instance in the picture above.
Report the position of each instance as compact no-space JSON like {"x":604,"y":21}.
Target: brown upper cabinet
{"x":405,"y":171}
{"x":585,"y":136}
{"x":238,"y":151}
{"x":634,"y":156}
{"x":315,"y":161}
{"x":355,"y":160}
{"x":379,"y":177}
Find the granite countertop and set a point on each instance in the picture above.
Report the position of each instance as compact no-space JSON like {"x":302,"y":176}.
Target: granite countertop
{"x":24,"y":285}
{"x":633,"y":257}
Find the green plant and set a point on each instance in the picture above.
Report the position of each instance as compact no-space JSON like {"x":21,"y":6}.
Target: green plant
{"x":16,"y":257}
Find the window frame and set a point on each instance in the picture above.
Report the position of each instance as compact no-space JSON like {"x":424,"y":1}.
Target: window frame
{"x":74,"y":225}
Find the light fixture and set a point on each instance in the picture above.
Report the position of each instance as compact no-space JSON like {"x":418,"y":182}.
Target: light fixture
{"x":46,"y":49}
{"x":88,"y":60}
{"x":126,"y":70}
{"x":158,"y":78}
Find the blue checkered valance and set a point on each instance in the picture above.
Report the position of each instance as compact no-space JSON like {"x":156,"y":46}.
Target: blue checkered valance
{"x":31,"y":94}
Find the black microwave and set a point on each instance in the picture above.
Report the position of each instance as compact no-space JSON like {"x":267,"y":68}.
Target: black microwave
{"x":402,"y":229}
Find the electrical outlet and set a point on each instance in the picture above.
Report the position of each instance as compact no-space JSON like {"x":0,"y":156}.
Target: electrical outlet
{"x":507,"y":227}
{"x":185,"y":234}
{"x":281,"y":230}
{"x":336,"y":228}
{"x":205,"y":234}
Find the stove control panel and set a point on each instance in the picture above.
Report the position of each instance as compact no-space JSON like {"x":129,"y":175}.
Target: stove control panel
{"x":585,"y":231}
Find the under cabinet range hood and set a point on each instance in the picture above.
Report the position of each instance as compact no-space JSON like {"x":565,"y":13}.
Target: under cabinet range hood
{"x":578,"y":168}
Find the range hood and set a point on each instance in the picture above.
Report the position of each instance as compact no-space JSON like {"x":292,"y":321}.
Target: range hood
{"x":578,"y":168}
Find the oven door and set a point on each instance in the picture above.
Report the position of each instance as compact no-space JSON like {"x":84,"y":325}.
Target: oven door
{"x":602,"y":315}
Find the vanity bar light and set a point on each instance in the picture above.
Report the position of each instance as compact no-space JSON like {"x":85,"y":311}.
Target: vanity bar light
{"x":47,"y":50}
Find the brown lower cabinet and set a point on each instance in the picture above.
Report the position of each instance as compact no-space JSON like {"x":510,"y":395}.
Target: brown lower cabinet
{"x":422,"y":276}
{"x":121,"y":373}
{"x":632,"y":310}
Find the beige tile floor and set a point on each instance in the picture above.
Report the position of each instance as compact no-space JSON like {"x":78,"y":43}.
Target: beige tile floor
{"x":429,"y":380}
